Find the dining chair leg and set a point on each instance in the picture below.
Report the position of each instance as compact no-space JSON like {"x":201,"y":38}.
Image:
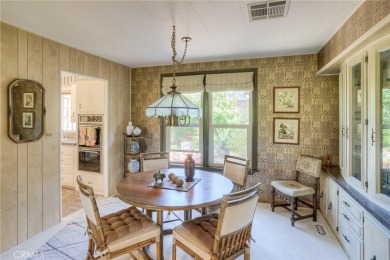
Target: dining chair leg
{"x":174,"y":249}
{"x":160,"y":246}
{"x":187,"y":215}
{"x":247,"y":255}
{"x":158,"y":252}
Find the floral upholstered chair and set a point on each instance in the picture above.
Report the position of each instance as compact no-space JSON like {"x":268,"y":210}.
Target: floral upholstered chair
{"x":289,"y":191}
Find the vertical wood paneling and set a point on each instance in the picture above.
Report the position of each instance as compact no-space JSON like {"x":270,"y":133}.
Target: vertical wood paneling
{"x":8,"y":173}
{"x":22,"y":148}
{"x":92,"y":65}
{"x":120,"y":128}
{"x":30,"y":176}
{"x":51,"y":148}
{"x":34,"y":151}
{"x":64,"y":58}
{"x":79,"y":62}
{"x":112,"y":126}
{"x":72,"y":60}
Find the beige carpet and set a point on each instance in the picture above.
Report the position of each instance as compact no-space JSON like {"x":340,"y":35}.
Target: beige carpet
{"x":274,"y":236}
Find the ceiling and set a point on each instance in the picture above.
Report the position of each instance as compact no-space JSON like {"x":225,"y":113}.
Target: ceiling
{"x":138,"y":33}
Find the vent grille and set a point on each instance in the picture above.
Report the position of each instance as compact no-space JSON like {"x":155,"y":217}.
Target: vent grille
{"x":267,"y":10}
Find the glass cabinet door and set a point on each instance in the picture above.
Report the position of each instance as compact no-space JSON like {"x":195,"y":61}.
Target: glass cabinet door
{"x":356,"y":120}
{"x":384,"y":122}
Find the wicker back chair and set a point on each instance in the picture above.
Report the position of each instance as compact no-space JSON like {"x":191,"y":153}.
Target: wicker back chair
{"x":154,"y":161}
{"x":118,"y":233}
{"x":220,"y":236}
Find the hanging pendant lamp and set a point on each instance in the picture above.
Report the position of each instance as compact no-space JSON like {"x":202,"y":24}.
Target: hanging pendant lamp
{"x":174,"y":109}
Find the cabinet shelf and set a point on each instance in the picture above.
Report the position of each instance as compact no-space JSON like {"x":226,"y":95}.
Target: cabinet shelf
{"x":133,"y":147}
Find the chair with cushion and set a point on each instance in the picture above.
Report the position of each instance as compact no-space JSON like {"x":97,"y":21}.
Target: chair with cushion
{"x":154,"y":161}
{"x":220,"y":236}
{"x":118,"y":233}
{"x":289,"y":190}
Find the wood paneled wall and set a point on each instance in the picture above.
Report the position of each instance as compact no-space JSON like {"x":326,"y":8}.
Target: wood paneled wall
{"x":30,"y":173}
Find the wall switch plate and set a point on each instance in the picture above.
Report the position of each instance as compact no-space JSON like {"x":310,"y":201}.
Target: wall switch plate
{"x":49,"y":134}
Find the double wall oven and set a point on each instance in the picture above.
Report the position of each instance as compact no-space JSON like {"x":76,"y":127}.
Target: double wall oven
{"x":90,"y":136}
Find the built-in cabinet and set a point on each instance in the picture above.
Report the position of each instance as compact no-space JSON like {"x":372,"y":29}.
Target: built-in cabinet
{"x":68,"y":157}
{"x":361,"y":236}
{"x":90,"y":96}
{"x":365,"y":121}
{"x":376,"y":242}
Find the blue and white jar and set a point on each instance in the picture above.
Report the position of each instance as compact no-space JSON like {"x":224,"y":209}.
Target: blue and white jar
{"x":133,"y":147}
{"x":133,"y":165}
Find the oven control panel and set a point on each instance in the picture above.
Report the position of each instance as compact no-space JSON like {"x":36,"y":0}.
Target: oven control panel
{"x":87,"y":119}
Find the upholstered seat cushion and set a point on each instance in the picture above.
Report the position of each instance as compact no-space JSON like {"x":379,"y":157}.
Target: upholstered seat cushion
{"x":198,"y":234}
{"x":126,"y":227}
{"x":292,"y":188}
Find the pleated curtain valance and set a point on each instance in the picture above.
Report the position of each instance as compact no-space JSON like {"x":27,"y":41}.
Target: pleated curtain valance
{"x":242,"y":81}
{"x":185,"y":84}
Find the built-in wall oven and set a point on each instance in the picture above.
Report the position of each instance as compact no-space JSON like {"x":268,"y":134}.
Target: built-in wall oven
{"x":90,"y":130}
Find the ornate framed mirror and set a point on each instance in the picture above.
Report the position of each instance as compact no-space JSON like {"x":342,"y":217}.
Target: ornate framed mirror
{"x":26,"y":110}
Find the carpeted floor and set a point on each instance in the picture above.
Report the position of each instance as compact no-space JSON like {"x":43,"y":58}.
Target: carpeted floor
{"x":274,"y":236}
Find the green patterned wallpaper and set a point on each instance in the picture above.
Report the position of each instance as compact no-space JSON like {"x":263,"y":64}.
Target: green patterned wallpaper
{"x":319,"y":127}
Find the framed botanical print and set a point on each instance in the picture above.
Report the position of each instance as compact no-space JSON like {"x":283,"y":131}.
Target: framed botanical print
{"x":28,"y":100}
{"x":286,"y":130}
{"x":28,"y":119}
{"x":286,"y":100}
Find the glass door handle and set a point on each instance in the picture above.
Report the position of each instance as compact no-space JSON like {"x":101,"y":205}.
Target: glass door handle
{"x":372,"y":137}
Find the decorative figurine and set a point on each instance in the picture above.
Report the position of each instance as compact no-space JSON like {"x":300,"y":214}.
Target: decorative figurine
{"x":159,"y":175}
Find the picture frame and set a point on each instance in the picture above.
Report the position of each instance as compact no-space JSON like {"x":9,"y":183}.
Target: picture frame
{"x":28,"y":120}
{"x":28,"y":100}
{"x":286,"y":130}
{"x":286,"y":99}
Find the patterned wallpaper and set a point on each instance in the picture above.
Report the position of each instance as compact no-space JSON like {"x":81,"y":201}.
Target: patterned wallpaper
{"x":318,"y":112}
{"x":364,"y":18}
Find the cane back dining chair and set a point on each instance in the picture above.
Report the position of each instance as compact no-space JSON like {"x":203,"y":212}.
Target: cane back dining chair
{"x":154,"y":161}
{"x":117,"y":233}
{"x":220,"y":236}
{"x":289,"y":191}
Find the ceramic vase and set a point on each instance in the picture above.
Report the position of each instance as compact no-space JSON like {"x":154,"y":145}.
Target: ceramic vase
{"x":137,"y":131}
{"x":189,"y":168}
{"x":129,"y":129}
{"x":133,"y":165}
{"x":133,"y":147}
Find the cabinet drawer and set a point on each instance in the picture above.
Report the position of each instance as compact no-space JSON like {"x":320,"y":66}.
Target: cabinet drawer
{"x":67,"y":150}
{"x":351,"y":243}
{"x":66,"y":170}
{"x":351,"y":206}
{"x":67,"y":160}
{"x":352,"y":222}
{"x":67,"y":180}
{"x":94,"y":180}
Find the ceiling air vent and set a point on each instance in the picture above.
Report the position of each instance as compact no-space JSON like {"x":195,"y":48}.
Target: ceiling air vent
{"x":267,"y":10}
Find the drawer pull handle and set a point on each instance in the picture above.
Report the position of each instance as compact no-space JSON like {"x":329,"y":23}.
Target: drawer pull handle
{"x":346,"y":238}
{"x":330,"y":206}
{"x":346,"y":204}
{"x":346,"y":217}
{"x":373,"y":258}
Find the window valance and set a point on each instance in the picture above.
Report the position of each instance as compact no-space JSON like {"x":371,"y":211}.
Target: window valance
{"x":229,"y":81}
{"x":185,"y":84}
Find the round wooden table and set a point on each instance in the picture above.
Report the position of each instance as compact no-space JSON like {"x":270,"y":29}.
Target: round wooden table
{"x":208,"y":191}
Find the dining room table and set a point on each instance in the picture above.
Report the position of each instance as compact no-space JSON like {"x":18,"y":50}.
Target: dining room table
{"x":141,"y":190}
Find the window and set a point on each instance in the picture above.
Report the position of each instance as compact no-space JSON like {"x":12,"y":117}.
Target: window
{"x":226,"y":125}
{"x":67,"y":113}
{"x":230,"y":125}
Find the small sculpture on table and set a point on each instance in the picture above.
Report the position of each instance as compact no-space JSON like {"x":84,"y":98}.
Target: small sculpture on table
{"x":159,"y":175}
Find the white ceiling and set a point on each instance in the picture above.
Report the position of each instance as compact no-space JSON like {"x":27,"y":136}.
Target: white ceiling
{"x":138,"y":33}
